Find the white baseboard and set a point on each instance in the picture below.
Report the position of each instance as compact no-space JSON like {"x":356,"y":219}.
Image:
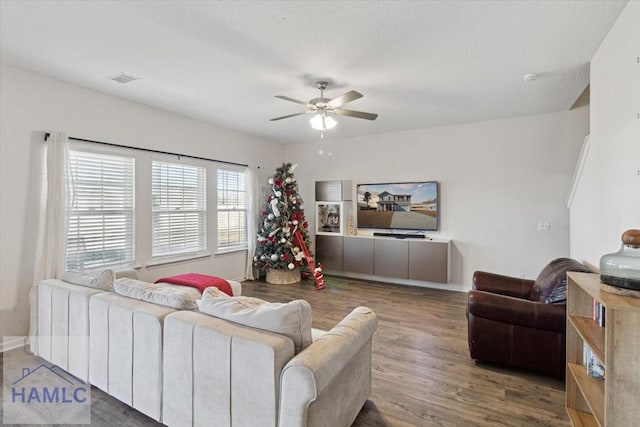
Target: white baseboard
{"x":11,"y":343}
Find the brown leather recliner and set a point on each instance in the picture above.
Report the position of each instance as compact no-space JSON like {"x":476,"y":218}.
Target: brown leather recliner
{"x":521,"y":323}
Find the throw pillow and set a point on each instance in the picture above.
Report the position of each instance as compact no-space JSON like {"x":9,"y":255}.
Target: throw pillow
{"x":168,"y":296}
{"x":551,"y":285}
{"x":99,"y":279}
{"x":292,"y":319}
{"x":130,"y":273}
{"x":213,"y":292}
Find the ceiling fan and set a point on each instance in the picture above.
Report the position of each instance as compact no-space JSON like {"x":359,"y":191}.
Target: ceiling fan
{"x":323,"y":108}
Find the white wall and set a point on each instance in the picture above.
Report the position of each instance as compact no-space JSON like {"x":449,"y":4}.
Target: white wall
{"x":497,"y":180}
{"x":607,"y":200}
{"x":30,"y":105}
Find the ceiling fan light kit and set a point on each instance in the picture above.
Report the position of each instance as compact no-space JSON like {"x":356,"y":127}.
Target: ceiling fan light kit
{"x":322,"y":122}
{"x":323,"y":108}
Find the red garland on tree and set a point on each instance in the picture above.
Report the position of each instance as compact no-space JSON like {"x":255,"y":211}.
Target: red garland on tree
{"x":282,"y":216}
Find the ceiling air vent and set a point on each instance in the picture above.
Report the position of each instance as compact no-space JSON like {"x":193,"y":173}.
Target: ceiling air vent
{"x":123,"y":78}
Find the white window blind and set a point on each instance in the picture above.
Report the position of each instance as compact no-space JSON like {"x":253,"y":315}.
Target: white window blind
{"x":179,"y":209}
{"x":101,"y":221}
{"x":232,"y":209}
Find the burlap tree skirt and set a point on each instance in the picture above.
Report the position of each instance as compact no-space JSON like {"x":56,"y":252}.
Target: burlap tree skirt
{"x":283,"y":277}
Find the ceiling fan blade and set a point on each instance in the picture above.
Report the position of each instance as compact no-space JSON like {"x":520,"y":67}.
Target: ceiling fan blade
{"x":352,"y":95}
{"x":297,"y":101}
{"x":356,"y":114}
{"x":286,"y":117}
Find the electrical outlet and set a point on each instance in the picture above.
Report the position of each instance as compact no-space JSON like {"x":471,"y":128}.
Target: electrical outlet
{"x":543,"y":226}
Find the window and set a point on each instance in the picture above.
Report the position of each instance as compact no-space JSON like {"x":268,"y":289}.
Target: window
{"x":232,"y":209}
{"x":179,"y":210}
{"x":101,"y":221}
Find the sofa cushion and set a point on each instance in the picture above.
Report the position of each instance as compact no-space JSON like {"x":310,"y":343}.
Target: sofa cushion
{"x":551,"y":285}
{"x":98,"y":280}
{"x":292,"y":319}
{"x":161,"y":294}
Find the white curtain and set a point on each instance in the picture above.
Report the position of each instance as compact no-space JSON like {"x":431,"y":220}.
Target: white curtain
{"x":53,"y":225}
{"x":251,"y":181}
{"x":54,"y":221}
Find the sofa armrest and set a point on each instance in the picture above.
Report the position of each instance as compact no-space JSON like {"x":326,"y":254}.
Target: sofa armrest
{"x":503,"y":285}
{"x":516,"y":311}
{"x":329,"y":381}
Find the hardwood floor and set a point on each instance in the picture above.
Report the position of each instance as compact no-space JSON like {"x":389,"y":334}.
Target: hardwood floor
{"x":422,"y":373}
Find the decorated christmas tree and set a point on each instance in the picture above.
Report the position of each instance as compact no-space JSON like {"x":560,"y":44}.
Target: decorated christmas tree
{"x":277,"y":247}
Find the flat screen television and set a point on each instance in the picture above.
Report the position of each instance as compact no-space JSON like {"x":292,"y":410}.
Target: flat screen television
{"x":399,"y":206}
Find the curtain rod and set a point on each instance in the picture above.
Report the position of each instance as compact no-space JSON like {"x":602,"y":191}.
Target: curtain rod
{"x":46,"y":137}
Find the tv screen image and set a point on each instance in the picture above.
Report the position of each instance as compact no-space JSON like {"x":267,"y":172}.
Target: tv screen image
{"x":402,"y":205}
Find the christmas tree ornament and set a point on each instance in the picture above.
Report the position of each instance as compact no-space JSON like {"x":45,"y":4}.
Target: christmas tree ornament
{"x":298,"y":256}
{"x":273,"y":233}
{"x":274,"y":208}
{"x":274,"y":257}
{"x":291,"y":266}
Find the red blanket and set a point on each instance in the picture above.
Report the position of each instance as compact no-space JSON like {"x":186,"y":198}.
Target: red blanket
{"x":198,"y":281}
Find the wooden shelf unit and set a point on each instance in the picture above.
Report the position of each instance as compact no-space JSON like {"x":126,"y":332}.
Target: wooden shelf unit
{"x":613,"y":401}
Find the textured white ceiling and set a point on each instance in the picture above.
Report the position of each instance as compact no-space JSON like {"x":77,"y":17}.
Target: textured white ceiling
{"x":418,"y":63}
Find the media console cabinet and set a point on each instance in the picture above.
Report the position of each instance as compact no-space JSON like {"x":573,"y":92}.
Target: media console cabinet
{"x":384,"y":257}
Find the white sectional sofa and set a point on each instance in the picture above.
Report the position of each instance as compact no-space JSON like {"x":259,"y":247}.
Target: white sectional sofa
{"x":188,"y":368}
{"x":60,"y":315}
{"x":126,"y":350}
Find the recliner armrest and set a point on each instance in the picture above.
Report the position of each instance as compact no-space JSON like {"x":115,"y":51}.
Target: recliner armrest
{"x":517,"y":311}
{"x":503,"y":285}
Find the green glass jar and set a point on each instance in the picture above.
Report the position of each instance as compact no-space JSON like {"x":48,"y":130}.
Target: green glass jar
{"x":622,"y":268}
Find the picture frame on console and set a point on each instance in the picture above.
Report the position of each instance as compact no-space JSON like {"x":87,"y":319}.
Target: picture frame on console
{"x":330,"y":218}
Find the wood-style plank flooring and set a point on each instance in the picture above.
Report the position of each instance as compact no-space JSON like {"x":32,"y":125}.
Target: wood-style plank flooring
{"x":422,"y":373}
